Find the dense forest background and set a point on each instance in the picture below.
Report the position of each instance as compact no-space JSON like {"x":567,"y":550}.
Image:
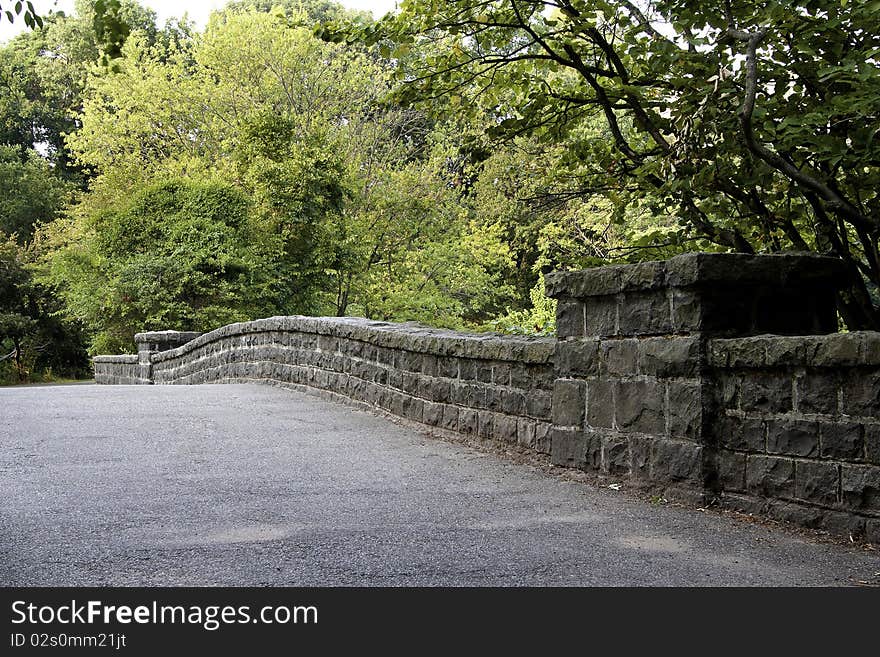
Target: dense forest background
{"x":295,"y":157}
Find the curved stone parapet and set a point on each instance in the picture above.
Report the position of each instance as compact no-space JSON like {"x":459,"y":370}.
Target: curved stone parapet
{"x":486,"y":385}
{"x":662,"y":373}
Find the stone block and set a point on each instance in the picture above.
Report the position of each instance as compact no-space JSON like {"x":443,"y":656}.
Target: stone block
{"x":861,"y":393}
{"x":727,"y":390}
{"x":615,"y":455}
{"x":678,"y":356}
{"x":477,"y":395}
{"x":486,"y":425}
{"x":541,"y":377}
{"x":600,"y":403}
{"x":685,"y":410}
{"x":543,"y":437}
{"x":410,"y":361}
{"x":769,"y":393}
{"x":414,"y":408}
{"x":432,"y":414}
{"x":839,"y":349}
{"x":513,"y":402}
{"x":642,"y":313}
{"x":447,"y":367}
{"x":411,"y":382}
{"x":601,"y":317}
{"x":505,"y":428}
{"x":597,"y":281}
{"x":793,"y":437}
{"x":538,"y":404}
{"x":844,"y":524}
{"x":872,"y":531}
{"x":746,"y":352}
{"x":842,"y":441}
{"x":860,"y":486}
{"x":640,"y":456}
{"x":398,"y":400}
{"x":717,"y":354}
{"x":639,"y":407}
{"x":450,"y":417}
{"x":483,"y":372}
{"x":577,"y":358}
{"x":519,"y":376}
{"x":785,"y":351}
{"x":468,"y":421}
{"x":467,"y":369}
{"x":642,"y":276}
{"x":770,"y":476}
{"x":395,"y":380}
{"x":570,"y":319}
{"x":440,"y":390}
{"x":872,"y":443}
{"x":501,"y":374}
{"x":569,"y":402}
{"x":619,"y":357}
{"x":525,"y":432}
{"x":575,"y":449}
{"x":673,"y":461}
{"x":871,"y":346}
{"x":795,"y":512}
{"x":567,"y":447}
{"x":687,"y":311}
{"x":429,"y":365}
{"x":461,"y":394}
{"x":494,"y":398}
{"x":732,"y":471}
{"x":817,"y":482}
{"x":817,"y":393}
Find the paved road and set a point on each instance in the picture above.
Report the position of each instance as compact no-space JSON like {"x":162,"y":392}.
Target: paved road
{"x":253,"y":485}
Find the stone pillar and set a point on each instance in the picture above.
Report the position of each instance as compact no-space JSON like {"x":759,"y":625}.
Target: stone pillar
{"x":153,"y":342}
{"x":633,"y":394}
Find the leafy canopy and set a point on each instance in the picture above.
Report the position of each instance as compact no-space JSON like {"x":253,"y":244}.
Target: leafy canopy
{"x":755,"y":122}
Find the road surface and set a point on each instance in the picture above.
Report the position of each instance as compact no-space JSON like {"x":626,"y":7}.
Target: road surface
{"x":254,"y":485}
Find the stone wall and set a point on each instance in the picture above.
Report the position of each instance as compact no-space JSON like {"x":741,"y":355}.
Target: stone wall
{"x":663,"y":373}
{"x":799,"y":428}
{"x":123,"y":369}
{"x":660,"y":382}
{"x":488,"y":386}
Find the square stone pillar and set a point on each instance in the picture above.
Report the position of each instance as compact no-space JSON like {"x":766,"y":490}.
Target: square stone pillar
{"x":153,"y":342}
{"x":633,"y":394}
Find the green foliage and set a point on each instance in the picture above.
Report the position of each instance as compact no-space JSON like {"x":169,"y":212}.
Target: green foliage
{"x":43,"y":75}
{"x":540,"y":319}
{"x":34,"y":340}
{"x":297,"y":157}
{"x":349,"y":187}
{"x":37,"y":194}
{"x":25,"y":10}
{"x":111,"y":28}
{"x":752,"y":125}
{"x":180,"y":254}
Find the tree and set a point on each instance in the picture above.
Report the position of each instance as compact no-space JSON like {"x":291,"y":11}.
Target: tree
{"x":755,"y":123}
{"x":43,"y":74}
{"x":350,"y":184}
{"x":38,"y":197}
{"x":181,"y":254}
{"x":34,"y":339}
{"x":16,"y":322}
{"x":25,"y":10}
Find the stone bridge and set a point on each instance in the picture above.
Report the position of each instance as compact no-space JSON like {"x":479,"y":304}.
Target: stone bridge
{"x":713,"y":380}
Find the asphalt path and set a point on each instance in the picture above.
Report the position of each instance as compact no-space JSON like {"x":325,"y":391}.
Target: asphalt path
{"x":253,"y":485}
